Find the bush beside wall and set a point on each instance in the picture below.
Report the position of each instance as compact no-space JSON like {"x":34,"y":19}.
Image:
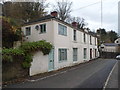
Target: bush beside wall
{"x":16,"y":62}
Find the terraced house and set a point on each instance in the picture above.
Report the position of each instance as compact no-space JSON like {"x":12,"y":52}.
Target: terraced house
{"x":71,"y":45}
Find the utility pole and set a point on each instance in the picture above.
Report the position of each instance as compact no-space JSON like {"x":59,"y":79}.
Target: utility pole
{"x":101,"y":21}
{"x":101,"y":14}
{"x":101,"y":28}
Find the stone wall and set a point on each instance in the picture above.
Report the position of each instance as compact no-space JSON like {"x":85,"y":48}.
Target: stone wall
{"x":13,"y":70}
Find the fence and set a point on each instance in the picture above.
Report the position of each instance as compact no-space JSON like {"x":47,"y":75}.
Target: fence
{"x":109,"y":55}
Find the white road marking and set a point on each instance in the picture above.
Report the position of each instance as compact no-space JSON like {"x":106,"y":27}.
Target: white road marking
{"x":109,"y":76}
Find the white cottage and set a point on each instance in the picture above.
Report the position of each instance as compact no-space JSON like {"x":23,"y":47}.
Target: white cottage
{"x":109,"y":47}
{"x":71,"y":45}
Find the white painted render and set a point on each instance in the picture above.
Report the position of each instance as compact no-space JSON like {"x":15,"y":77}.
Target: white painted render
{"x":40,"y":62}
{"x":35,"y":36}
{"x":109,"y":48}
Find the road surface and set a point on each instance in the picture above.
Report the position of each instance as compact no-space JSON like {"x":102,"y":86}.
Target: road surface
{"x":88,"y":75}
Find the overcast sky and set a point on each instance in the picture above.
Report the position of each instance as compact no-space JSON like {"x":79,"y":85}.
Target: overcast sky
{"x":92,"y":13}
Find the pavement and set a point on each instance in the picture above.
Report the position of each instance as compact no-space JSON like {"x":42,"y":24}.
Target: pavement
{"x":89,"y":75}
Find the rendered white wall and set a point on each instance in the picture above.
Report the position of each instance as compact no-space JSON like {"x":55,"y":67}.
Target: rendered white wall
{"x":35,"y":36}
{"x":110,"y":49}
{"x":61,"y":41}
{"x":39,"y":64}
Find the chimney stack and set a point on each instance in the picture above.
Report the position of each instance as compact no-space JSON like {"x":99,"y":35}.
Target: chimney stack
{"x":54,"y":14}
{"x":75,"y":24}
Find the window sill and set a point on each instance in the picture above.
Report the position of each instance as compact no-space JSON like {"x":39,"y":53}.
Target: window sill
{"x":62,"y":35}
{"x":75,"y":61}
{"x":42,"y":33}
{"x":85,"y":58}
{"x":62,"y":61}
{"x":75,"y":42}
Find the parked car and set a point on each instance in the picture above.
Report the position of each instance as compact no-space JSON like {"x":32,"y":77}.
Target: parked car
{"x":118,"y":57}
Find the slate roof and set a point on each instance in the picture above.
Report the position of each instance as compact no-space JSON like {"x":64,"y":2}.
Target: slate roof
{"x":40,"y":19}
{"x":56,"y":18}
{"x":110,"y":44}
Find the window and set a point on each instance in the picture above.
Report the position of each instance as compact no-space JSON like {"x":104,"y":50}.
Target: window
{"x":74,"y":35}
{"x":95,"y":41}
{"x":42,"y":28}
{"x":84,"y":38}
{"x":90,"y":40}
{"x":75,"y":50}
{"x":62,"y":54}
{"x":62,"y":30}
{"x":85,"y":53}
{"x":28,"y":31}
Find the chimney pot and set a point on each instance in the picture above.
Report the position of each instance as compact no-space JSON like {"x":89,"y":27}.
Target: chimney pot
{"x":54,"y":14}
{"x":74,"y":24}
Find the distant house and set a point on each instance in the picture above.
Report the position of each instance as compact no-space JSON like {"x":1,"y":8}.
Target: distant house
{"x":71,"y":45}
{"x":109,"y":47}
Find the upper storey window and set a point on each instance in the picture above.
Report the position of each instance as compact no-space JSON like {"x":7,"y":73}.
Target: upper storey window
{"x":62,"y":30}
{"x":28,"y":31}
{"x":42,"y":28}
{"x":84,"y":39}
{"x":90,"y":40}
{"x":74,"y":35}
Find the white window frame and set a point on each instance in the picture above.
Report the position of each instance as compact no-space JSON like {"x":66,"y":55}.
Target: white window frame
{"x":84,"y":37}
{"x":90,"y":40}
{"x":62,"y":54}
{"x":27,"y":31}
{"x":62,"y":30}
{"x":42,"y":28}
{"x":75,"y":54}
{"x":74,"y":35}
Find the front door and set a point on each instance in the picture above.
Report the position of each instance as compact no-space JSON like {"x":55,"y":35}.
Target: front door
{"x":51,"y":60}
{"x":90,"y":53}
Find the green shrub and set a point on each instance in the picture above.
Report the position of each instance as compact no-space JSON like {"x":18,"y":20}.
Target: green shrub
{"x":8,"y":54}
{"x":44,"y":46}
{"x":26,"y":65}
{"x":7,"y":58}
{"x":28,"y":58}
{"x":12,"y":51}
{"x":25,"y":50}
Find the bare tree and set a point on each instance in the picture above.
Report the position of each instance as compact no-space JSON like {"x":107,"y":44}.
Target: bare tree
{"x":80,"y":21}
{"x":63,"y":8}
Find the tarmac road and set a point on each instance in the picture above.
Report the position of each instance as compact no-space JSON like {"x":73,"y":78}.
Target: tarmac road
{"x":88,"y":75}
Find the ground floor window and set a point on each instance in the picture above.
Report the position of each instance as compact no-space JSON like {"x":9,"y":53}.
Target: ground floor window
{"x":75,"y":51}
{"x":85,"y":53}
{"x":62,"y":54}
